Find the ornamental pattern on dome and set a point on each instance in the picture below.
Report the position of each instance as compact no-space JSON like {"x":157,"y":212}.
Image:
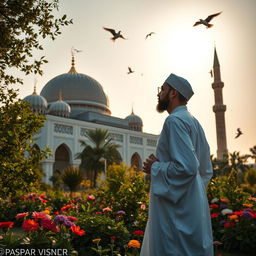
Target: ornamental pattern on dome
{"x":135,"y":122}
{"x":37,"y":102}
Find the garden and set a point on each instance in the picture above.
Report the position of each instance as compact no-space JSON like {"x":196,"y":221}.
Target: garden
{"x":110,"y":219}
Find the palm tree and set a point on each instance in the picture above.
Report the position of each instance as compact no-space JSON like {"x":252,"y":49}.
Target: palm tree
{"x":72,"y":178}
{"x":238,"y":162}
{"x":101,"y":147}
{"x":253,"y":153}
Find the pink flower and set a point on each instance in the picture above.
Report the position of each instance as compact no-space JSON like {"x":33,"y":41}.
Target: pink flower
{"x":91,"y":197}
{"x":41,"y":215}
{"x":71,"y":218}
{"x":48,"y":224}
{"x":21,"y":215}
{"x":107,"y":209}
{"x":143,"y":207}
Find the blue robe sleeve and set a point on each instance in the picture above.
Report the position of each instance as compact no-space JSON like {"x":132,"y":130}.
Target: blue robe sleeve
{"x":171,"y":179}
{"x":204,"y":156}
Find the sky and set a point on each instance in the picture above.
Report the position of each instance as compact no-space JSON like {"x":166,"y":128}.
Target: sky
{"x":176,"y":47}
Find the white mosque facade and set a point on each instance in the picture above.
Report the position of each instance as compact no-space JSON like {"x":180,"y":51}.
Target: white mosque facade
{"x":74,"y":103}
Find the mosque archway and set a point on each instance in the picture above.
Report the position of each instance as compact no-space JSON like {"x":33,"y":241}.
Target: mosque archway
{"x":61,"y":158}
{"x":136,"y":161}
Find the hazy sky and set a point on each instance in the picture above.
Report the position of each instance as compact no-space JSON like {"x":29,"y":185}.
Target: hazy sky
{"x":177,"y":47}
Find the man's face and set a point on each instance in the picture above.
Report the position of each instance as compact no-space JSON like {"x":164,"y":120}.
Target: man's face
{"x":163,"y":98}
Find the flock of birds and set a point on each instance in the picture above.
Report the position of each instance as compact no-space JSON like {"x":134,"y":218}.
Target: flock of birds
{"x":205,"y":22}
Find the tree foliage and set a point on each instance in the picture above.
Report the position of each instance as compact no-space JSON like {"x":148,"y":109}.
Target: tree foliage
{"x":22,"y":25}
{"x":19,"y":159}
{"x":101,"y":146}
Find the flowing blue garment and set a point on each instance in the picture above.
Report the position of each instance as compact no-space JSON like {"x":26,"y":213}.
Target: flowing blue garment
{"x":179,"y":222}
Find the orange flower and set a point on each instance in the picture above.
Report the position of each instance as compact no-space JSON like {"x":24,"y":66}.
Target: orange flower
{"x":248,"y":205}
{"x":30,"y":225}
{"x":134,"y":244}
{"x":233,"y":217}
{"x":76,"y":230}
{"x":224,"y":200}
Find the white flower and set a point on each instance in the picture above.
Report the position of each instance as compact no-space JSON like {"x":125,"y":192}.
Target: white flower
{"x":214,"y":200}
{"x":226,"y":211}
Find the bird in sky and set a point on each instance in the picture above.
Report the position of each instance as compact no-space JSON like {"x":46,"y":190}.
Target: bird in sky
{"x":114,"y":33}
{"x":149,"y":34}
{"x":130,"y":70}
{"x":238,"y":133}
{"x":207,"y":20}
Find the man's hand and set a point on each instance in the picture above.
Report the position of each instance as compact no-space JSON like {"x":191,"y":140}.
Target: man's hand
{"x":147,"y":165}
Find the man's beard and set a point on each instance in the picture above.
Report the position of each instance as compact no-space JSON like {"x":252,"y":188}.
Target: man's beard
{"x":162,"y":105}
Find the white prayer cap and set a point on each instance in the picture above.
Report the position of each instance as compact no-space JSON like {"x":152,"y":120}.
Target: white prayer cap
{"x":181,"y":85}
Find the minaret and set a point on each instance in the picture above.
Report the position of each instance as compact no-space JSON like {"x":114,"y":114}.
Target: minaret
{"x":219,"y":109}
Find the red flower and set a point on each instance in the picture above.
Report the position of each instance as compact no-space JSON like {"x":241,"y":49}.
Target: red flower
{"x":73,"y":201}
{"x":214,"y":215}
{"x":113,"y":238}
{"x":65,"y":208}
{"x":214,"y":206}
{"x":48,"y":224}
{"x":71,"y":218}
{"x":30,"y":225}
{"x":7,"y":224}
{"x":76,"y":230}
{"x":21,"y":215}
{"x":138,"y":232}
{"x":229,"y":224}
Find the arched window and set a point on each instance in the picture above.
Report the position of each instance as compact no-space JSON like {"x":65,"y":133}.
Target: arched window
{"x":136,"y":161}
{"x":62,"y":158}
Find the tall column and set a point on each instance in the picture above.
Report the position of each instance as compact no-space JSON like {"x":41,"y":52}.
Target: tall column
{"x":219,"y":109}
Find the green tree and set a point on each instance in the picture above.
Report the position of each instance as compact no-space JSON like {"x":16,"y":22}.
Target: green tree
{"x":72,"y":178}
{"x":101,"y":146}
{"x":238,"y":162}
{"x":22,"y":25}
{"x":19,"y":159}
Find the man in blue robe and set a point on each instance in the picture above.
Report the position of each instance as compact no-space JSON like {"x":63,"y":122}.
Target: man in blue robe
{"x":179,"y":222}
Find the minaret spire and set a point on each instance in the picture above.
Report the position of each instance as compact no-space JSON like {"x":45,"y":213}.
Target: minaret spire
{"x":72,"y":69}
{"x":219,"y":109}
{"x":35,"y":82}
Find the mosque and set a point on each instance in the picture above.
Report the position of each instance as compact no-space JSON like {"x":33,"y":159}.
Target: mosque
{"x":75,"y":103}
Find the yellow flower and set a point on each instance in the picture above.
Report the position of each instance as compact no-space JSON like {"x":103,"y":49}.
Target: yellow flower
{"x":47,"y":211}
{"x":134,"y":244}
{"x":248,"y":205}
{"x":96,"y":240}
{"x":233,"y":217}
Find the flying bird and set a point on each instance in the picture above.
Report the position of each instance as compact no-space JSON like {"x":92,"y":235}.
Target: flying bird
{"x":76,"y":50}
{"x":130,"y":71}
{"x":114,"y":33}
{"x":207,"y":20}
{"x":149,"y":34}
{"x":238,"y":133}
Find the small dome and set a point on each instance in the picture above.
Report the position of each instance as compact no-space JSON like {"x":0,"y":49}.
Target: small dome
{"x":38,"y":103}
{"x":135,"y":122}
{"x":59,"y":108}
